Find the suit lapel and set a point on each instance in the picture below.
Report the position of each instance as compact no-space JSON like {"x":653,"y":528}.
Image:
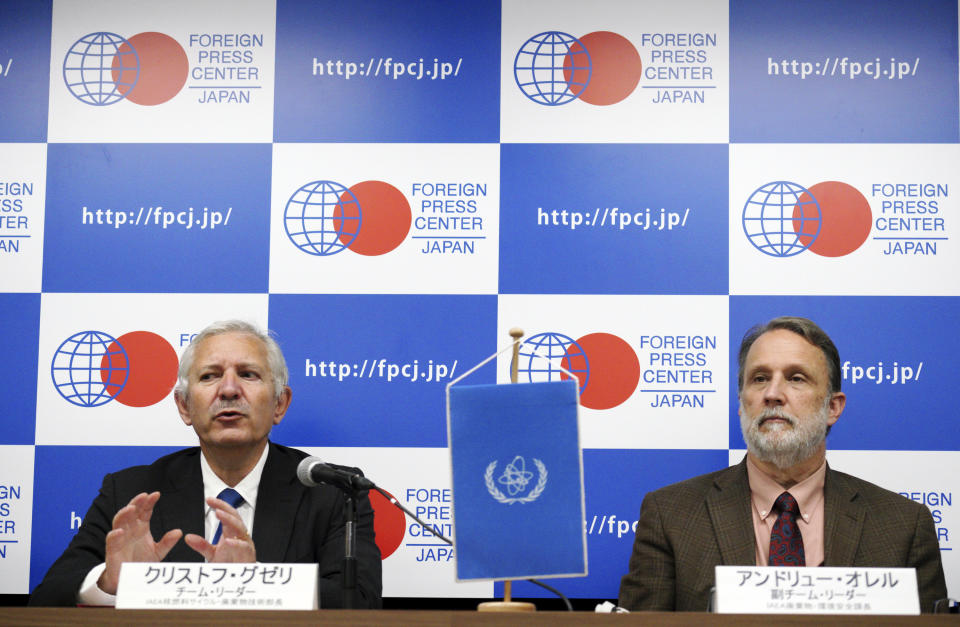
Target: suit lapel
{"x":278,"y":499}
{"x":181,"y":505}
{"x":843,"y":518}
{"x":729,"y":507}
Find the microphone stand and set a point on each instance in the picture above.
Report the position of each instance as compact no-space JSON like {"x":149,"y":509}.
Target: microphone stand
{"x":350,"y":551}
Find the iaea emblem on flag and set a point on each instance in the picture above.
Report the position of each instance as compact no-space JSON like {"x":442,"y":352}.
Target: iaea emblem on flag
{"x":516,"y":479}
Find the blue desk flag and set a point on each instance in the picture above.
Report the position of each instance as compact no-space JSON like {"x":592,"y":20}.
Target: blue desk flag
{"x":518,"y":508}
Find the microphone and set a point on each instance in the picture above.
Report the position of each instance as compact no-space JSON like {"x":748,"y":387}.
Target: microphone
{"x":313,"y":471}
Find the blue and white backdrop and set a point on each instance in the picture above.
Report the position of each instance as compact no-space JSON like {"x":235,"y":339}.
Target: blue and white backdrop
{"x":393,"y":185}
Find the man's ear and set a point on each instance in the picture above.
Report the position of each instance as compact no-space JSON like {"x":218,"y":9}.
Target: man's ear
{"x":283,"y":403}
{"x":837,"y":402}
{"x":182,"y":408}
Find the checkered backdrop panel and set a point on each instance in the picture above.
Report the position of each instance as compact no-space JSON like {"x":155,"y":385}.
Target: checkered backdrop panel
{"x":392,"y":186}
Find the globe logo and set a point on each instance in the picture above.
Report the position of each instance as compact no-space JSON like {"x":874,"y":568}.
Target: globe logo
{"x":90,"y":368}
{"x":552,"y":68}
{"x":322,"y":218}
{"x":782,"y":219}
{"x":544,"y":351}
{"x":98,"y":72}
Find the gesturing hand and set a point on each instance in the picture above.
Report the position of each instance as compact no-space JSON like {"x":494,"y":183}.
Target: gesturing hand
{"x":130,"y":539}
{"x":235,"y":544}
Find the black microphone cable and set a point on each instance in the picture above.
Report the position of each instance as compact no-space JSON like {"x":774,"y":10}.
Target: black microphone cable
{"x":406,"y":511}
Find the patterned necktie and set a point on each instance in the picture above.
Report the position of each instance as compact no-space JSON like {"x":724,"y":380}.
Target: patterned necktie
{"x":786,"y":543}
{"x":232,"y":497}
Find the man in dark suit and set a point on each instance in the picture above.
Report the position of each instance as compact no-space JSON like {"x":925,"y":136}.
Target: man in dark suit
{"x":789,"y":386}
{"x":232,"y":388}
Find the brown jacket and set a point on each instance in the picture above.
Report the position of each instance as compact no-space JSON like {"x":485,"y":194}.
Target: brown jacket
{"x":687,"y":528}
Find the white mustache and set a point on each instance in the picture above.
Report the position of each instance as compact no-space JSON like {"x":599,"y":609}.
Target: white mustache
{"x":774,"y":412}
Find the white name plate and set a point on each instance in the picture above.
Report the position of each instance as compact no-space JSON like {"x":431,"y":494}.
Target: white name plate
{"x":793,"y":590}
{"x":216,"y":586}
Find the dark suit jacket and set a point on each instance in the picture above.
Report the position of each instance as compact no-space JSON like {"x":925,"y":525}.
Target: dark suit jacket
{"x":687,"y":528}
{"x":292,"y":523}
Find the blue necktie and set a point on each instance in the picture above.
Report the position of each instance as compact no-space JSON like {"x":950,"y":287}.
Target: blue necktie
{"x":232,"y":497}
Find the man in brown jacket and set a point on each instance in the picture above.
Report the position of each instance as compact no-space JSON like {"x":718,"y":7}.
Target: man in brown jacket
{"x":789,"y":387}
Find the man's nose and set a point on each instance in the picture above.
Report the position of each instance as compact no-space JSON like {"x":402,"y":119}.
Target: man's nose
{"x":229,"y":385}
{"x":773,"y":394}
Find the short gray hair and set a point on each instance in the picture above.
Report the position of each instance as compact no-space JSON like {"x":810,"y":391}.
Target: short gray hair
{"x":808,"y":330}
{"x":275,"y":360}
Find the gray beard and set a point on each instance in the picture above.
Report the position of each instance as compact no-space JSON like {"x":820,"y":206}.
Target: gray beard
{"x":782,"y":445}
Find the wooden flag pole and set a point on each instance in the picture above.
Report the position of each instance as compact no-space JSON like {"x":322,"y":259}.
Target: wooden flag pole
{"x":508,"y":605}
{"x":516,"y":333}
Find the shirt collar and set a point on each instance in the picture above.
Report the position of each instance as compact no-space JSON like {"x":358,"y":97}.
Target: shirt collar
{"x":764,"y":490}
{"x":248,"y":486}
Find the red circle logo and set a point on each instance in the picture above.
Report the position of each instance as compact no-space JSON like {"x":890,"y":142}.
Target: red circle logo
{"x":845,"y":215}
{"x":389,"y":524}
{"x":615,"y":68}
{"x":152,"y":368}
{"x":614,"y":369}
{"x":163,"y":68}
{"x":386,"y":218}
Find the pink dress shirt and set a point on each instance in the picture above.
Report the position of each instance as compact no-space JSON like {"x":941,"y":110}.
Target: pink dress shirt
{"x":809,"y":495}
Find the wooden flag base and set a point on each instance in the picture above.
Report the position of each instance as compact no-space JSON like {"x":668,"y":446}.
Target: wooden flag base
{"x":506,"y":606}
